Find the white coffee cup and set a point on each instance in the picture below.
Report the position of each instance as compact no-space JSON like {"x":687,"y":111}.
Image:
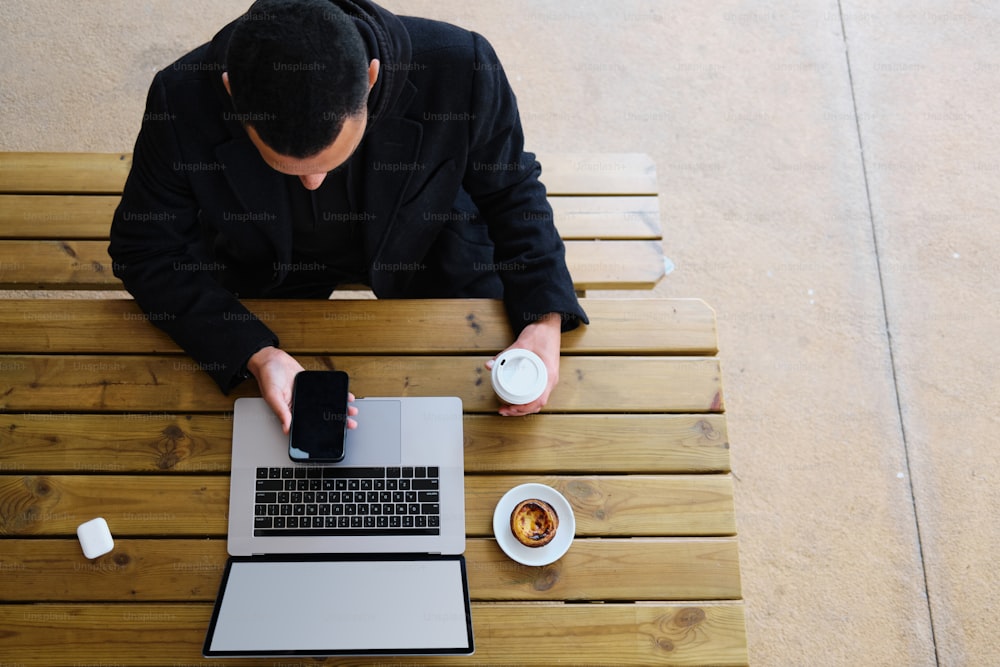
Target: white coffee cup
{"x":519,"y":376}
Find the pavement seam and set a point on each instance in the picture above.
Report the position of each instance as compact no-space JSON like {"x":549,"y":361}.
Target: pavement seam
{"x":889,"y":342}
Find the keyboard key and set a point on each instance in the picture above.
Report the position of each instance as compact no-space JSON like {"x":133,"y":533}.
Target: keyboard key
{"x":427,"y":496}
{"x":407,"y":471}
{"x":433,"y":471}
{"x":425,"y":484}
{"x":269,"y":485}
{"x":420,"y":471}
{"x":262,"y":522}
{"x":261,"y":473}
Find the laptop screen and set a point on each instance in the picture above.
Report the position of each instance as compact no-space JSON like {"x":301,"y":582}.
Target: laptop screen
{"x":388,"y":605}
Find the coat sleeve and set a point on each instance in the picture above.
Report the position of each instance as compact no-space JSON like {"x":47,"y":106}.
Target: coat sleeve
{"x":157,"y":252}
{"x":503,"y":181}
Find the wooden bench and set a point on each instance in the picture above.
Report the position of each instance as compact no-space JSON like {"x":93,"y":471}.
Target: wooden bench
{"x":56,"y":208}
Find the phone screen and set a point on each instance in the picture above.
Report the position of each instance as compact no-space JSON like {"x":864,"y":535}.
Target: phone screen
{"x":319,"y":416}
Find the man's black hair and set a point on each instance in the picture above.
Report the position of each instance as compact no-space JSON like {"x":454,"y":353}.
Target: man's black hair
{"x":297,"y":69}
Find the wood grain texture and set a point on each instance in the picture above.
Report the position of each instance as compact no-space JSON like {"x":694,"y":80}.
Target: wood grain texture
{"x":621,"y":218}
{"x":610,"y":265}
{"x":63,"y":264}
{"x":148,"y":383}
{"x":618,"y":326}
{"x":82,"y":264}
{"x":164,"y":570}
{"x":105,"y":173}
{"x":63,"y":173}
{"x":197,"y":505}
{"x":598,"y":174}
{"x":554,"y":443}
{"x":82,"y":217}
{"x":64,"y":216}
{"x":165,"y":634}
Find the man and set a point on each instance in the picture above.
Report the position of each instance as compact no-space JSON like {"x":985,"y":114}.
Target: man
{"x":317,"y":143}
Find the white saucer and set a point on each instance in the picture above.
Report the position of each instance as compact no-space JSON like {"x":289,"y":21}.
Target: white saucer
{"x":535,"y":556}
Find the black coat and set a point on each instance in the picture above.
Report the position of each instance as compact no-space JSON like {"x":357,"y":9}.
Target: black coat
{"x":451,"y":204}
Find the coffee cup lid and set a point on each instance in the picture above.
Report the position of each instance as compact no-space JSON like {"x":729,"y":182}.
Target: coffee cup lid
{"x":519,"y":376}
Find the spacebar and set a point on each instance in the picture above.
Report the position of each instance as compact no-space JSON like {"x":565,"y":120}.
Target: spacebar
{"x":337,"y":532}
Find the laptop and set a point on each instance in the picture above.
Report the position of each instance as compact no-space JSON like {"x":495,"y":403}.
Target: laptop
{"x":360,"y":557}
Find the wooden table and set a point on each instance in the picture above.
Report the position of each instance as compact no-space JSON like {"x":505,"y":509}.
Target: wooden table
{"x":102,"y":415}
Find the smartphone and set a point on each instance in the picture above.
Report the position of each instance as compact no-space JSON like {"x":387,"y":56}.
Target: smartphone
{"x":319,"y":417}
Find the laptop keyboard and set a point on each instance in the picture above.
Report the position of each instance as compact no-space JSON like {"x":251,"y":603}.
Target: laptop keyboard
{"x":331,"y":501}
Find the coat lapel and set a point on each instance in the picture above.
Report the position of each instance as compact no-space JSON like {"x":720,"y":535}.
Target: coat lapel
{"x":383,"y":177}
{"x":261,"y":191}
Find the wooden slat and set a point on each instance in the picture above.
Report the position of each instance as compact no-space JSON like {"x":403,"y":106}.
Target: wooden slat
{"x":78,"y":217}
{"x":87,"y":265}
{"x":159,"y":634}
{"x":56,"y":265}
{"x":75,"y":443}
{"x":618,"y":326}
{"x":105,"y":173}
{"x":597,"y":265}
{"x":189,"y":571}
{"x":151,"y":383}
{"x":64,"y":173}
{"x":56,"y":216}
{"x":621,"y":218}
{"x":196,"y":505}
{"x":598,"y":174}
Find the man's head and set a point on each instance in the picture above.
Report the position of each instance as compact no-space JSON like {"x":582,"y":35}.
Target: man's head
{"x":299,"y":77}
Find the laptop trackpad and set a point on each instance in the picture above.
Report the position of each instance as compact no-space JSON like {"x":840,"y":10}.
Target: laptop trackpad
{"x":376,"y":440}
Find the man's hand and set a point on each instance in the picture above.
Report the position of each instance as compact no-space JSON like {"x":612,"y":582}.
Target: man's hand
{"x":544,"y":338}
{"x":275,"y":371}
